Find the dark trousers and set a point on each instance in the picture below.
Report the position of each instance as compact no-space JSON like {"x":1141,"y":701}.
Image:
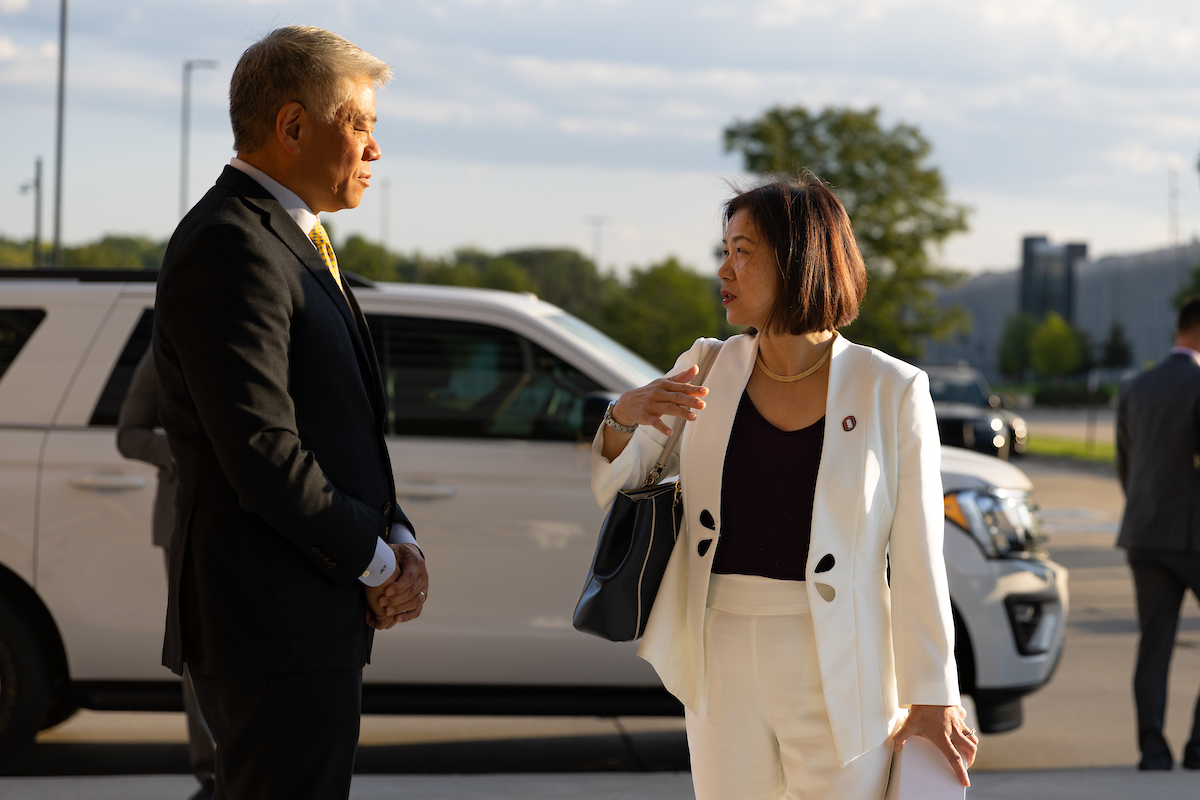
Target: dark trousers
{"x":1161,"y":580}
{"x":283,"y":735}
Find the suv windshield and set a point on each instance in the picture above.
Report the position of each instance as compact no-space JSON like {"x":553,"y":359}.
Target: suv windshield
{"x":956,"y":388}
{"x":639,"y":368}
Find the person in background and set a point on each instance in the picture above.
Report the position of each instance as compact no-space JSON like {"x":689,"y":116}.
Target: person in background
{"x":810,"y":465}
{"x":140,"y":437}
{"x":1158,"y":463}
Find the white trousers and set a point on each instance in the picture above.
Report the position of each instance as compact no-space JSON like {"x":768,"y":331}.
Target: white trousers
{"x":762,"y":731}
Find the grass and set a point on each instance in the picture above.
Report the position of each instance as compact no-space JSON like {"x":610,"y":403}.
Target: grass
{"x":1099,"y":452}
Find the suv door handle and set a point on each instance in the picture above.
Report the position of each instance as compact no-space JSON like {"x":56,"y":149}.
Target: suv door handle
{"x":425,"y":491}
{"x":101,"y":482}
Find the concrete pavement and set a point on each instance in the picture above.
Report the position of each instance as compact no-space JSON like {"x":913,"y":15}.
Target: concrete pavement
{"x":1112,"y":783}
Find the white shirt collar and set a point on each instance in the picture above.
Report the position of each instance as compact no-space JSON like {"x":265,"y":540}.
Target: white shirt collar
{"x":296,"y":208}
{"x":1187,"y":351}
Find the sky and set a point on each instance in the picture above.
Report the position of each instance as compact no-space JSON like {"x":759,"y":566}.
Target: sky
{"x":514,"y":123}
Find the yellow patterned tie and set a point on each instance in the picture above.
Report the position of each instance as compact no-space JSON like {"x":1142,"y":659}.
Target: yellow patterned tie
{"x":321,"y":240}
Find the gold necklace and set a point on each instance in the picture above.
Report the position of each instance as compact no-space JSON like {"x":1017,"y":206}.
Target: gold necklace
{"x":793,"y":378}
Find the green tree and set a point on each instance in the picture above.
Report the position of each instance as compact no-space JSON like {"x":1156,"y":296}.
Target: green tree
{"x":1118,"y":352}
{"x":1013,"y":352}
{"x":897,"y":204}
{"x":1054,"y":348}
{"x":662,"y":311}
{"x":567,"y":279}
{"x":506,"y":274}
{"x":1189,"y":289}
{"x":367,"y":259}
{"x":15,"y":253}
{"x":126,"y":252}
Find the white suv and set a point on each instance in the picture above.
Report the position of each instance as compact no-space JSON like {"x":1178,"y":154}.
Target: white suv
{"x":493,"y":398}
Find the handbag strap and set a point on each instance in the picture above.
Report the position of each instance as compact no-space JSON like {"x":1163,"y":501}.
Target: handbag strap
{"x":673,"y":440}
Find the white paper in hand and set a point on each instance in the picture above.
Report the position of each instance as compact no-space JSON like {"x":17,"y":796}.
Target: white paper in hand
{"x":921,"y":772}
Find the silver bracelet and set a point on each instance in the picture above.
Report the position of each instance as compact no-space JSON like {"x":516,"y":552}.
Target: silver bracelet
{"x":612,"y":423}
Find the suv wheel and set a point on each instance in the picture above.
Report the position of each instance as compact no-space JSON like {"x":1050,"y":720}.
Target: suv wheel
{"x":24,"y":681}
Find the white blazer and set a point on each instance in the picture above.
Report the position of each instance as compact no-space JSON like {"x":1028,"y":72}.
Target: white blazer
{"x":878,"y":495}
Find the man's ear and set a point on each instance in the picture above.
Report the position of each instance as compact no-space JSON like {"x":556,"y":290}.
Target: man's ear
{"x":287,"y":126}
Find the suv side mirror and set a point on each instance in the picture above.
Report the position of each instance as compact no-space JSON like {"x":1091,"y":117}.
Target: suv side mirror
{"x":593,"y":411}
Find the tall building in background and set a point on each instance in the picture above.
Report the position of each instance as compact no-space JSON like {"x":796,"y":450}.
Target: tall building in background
{"x":1132,"y":290}
{"x":1048,"y":273}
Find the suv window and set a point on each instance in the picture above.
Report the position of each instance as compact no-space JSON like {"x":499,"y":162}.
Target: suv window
{"x":465,"y":379}
{"x":16,"y":326}
{"x":108,"y":407}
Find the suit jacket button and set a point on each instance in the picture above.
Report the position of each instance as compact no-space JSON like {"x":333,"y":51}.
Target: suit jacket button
{"x":706,"y":519}
{"x":316,"y":551}
{"x":702,"y":548}
{"x":332,"y":565}
{"x":387,"y":508}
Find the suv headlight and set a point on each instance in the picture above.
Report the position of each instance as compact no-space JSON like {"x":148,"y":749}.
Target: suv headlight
{"x":1002,"y":521}
{"x":991,"y":430}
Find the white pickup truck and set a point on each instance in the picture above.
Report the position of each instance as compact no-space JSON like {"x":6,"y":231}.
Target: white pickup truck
{"x":493,"y":399}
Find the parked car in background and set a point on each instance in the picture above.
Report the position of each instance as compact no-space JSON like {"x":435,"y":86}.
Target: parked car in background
{"x":970,"y":415}
{"x":493,"y":398}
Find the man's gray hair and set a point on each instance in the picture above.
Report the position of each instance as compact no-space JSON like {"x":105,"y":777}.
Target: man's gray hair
{"x":298,"y":63}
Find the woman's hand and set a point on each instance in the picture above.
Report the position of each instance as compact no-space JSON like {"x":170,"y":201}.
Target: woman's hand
{"x":671,"y":396}
{"x":946,"y":728}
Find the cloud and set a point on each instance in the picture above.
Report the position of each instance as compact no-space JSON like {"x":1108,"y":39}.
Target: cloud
{"x":12,"y":6}
{"x":1053,"y":98}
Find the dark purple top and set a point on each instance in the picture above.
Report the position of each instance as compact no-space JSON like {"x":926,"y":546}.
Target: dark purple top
{"x":767,"y":493}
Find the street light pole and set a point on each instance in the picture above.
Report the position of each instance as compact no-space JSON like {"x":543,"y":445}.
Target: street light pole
{"x":385,"y":213}
{"x":58,"y":146}
{"x":36,"y":187}
{"x":597,"y":223}
{"x":188,"y":66}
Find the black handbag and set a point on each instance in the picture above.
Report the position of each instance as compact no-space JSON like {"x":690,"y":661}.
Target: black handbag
{"x":635,"y":544}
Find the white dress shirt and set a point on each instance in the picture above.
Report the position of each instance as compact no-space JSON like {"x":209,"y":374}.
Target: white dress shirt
{"x":1187,"y":351}
{"x":384,"y":563}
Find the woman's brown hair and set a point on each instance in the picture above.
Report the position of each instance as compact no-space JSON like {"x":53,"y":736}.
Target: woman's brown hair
{"x":821,"y":277}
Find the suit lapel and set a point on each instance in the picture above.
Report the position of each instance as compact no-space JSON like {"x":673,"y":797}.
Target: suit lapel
{"x":839,"y":477}
{"x":837,"y":507}
{"x":360,"y":320}
{"x":703,"y":473}
{"x":277,"y":220}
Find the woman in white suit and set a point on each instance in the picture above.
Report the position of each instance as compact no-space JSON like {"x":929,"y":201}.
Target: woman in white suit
{"x":809,"y":465}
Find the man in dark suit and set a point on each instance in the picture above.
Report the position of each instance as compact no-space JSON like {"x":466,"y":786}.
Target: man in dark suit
{"x":139,"y":438}
{"x":288,"y":546}
{"x":1158,"y":462}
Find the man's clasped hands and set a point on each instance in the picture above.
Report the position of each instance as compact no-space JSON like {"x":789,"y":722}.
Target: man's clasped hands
{"x":403,"y":595}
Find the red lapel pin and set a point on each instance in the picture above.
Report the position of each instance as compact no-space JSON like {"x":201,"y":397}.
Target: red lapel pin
{"x":848,"y":424}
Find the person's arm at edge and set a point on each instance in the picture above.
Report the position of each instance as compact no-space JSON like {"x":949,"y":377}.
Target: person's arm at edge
{"x":136,"y":435}
{"x":641,"y":449}
{"x":1123,"y":442}
{"x":922,"y":626}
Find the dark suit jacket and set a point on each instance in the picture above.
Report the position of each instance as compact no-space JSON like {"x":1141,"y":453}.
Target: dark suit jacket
{"x":1158,"y":442}
{"x":271,"y":397}
{"x":139,"y":439}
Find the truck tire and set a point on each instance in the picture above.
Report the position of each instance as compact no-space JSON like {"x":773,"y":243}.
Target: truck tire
{"x":24,"y":682}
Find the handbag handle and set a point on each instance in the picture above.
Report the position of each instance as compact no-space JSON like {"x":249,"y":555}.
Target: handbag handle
{"x":673,"y":440}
